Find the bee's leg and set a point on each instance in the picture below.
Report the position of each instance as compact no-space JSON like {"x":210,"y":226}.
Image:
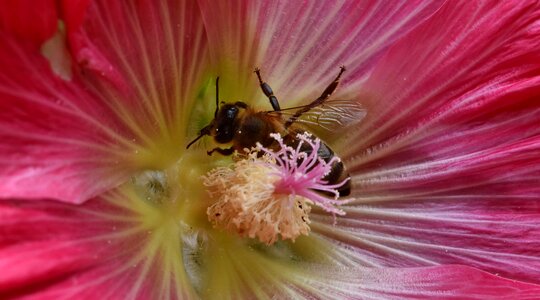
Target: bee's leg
{"x":267,"y":90}
{"x":221,"y":151}
{"x":323,"y":97}
{"x":330,"y":88}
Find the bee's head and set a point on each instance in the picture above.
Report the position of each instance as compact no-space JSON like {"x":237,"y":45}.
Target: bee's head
{"x":224,"y":123}
{"x":222,"y":127}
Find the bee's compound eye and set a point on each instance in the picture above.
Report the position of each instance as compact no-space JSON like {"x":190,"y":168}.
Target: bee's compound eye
{"x":226,"y":124}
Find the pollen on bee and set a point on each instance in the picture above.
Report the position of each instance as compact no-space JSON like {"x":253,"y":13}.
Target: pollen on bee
{"x":268,"y":194}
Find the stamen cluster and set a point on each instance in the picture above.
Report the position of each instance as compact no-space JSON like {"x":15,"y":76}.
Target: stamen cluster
{"x":268,"y":194}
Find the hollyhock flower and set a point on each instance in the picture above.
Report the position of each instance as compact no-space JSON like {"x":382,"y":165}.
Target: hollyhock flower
{"x":100,"y":198}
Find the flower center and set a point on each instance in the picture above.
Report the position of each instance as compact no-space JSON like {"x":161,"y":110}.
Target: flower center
{"x":169,"y":216}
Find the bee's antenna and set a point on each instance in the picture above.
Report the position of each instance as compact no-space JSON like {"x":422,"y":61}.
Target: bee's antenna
{"x":206,"y":130}
{"x":193,"y":142}
{"x":217,"y":97}
{"x":203,"y":132}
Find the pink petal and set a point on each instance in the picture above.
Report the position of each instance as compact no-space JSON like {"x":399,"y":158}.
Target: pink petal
{"x":298,"y":45}
{"x":44,"y":243}
{"x":443,"y":282}
{"x":447,"y":161}
{"x":125,"y":108}
{"x":466,"y":69}
{"x":73,"y":13}
{"x":151,"y":62}
{"x":495,"y":233}
{"x":50,"y":250}
{"x":157,"y":52}
{"x":31,"y":21}
{"x":59,"y":140}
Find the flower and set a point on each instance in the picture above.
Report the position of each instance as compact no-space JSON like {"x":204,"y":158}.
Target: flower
{"x":101,"y":199}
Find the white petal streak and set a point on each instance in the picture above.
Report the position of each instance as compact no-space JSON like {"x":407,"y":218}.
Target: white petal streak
{"x":499,"y":235}
{"x":445,"y":282}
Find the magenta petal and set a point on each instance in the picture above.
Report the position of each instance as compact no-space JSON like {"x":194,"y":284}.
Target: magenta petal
{"x":58,"y":140}
{"x":30,"y":21}
{"x":44,"y":243}
{"x":83,"y":50}
{"x":50,"y":250}
{"x":447,"y":161}
{"x":499,"y":234}
{"x":40,"y":263}
{"x":150,"y":62}
{"x":454,"y":72}
{"x":155,"y":52}
{"x":125,"y":108}
{"x":442,"y":282}
{"x":300,"y":44}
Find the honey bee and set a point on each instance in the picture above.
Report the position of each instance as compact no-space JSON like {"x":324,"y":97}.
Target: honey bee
{"x":243,"y":126}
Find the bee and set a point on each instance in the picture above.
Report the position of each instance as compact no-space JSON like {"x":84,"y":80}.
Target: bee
{"x":243,"y":126}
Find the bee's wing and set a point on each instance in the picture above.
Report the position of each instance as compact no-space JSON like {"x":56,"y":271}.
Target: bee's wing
{"x":335,"y":114}
{"x":330,"y":115}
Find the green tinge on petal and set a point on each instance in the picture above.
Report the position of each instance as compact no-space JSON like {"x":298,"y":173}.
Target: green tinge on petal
{"x":148,"y":63}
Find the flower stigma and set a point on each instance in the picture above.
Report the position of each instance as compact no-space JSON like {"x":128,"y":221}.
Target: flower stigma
{"x":268,"y":194}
